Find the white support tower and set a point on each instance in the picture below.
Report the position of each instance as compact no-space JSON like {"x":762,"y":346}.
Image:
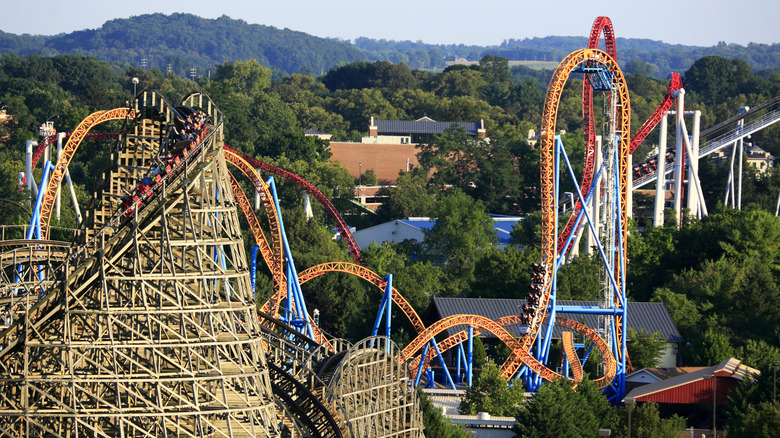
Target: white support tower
{"x":595,"y":201}
{"x":660,"y":182}
{"x":678,"y":157}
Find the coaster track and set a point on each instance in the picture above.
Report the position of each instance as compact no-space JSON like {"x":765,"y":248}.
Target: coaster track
{"x":604,"y":25}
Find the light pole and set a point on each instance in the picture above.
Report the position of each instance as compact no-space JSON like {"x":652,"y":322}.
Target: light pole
{"x":714,"y":403}
{"x":135,"y":82}
{"x":630,"y":402}
{"x":360,"y":179}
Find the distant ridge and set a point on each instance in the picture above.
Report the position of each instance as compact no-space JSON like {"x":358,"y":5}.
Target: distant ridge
{"x":185,"y":41}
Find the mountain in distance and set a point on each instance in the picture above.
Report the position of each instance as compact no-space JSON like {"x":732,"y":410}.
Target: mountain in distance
{"x":184,"y":41}
{"x":657,"y":58}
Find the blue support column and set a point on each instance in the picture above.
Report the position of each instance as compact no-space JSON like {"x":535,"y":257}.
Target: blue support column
{"x":35,"y":220}
{"x":461,"y":359}
{"x":470,"y":363}
{"x":420,"y":367}
{"x":443,"y":364}
{"x":293,"y":285}
{"x":388,"y":304}
{"x":253,"y":274}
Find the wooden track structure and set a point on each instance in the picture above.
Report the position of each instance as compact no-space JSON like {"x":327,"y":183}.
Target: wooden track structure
{"x":146,"y":325}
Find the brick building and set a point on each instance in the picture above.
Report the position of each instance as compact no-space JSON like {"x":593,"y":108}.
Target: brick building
{"x":391,"y":145}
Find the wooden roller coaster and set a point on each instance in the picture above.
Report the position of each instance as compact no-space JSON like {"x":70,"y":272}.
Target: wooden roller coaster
{"x":146,"y":325}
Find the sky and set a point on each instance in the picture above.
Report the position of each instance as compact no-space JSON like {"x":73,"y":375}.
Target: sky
{"x":485,"y":22}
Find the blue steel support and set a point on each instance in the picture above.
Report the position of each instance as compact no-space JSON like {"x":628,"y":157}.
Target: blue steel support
{"x":443,"y":364}
{"x":604,"y":257}
{"x":35,"y":220}
{"x":582,"y":214}
{"x":379,"y":314}
{"x":608,"y":256}
{"x":253,"y":275}
{"x":385,"y":309}
{"x":420,"y":367}
{"x":587,"y":353}
{"x":293,"y":285}
{"x":461,"y":359}
{"x":389,"y":305}
{"x":470,"y":363}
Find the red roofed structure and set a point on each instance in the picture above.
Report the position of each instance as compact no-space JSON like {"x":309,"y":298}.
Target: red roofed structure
{"x":696,"y":387}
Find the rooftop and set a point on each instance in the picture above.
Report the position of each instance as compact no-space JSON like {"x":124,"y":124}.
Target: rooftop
{"x":423,"y":126}
{"x":653,"y":317}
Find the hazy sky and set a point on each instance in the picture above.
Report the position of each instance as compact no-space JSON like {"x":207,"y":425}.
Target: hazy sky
{"x":486,"y":22}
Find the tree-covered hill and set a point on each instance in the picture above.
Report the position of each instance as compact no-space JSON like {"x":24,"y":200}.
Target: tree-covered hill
{"x":657,"y":58}
{"x":185,"y":41}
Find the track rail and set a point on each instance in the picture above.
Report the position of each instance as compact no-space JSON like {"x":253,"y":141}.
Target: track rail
{"x":604,"y":25}
{"x":352,"y":246}
{"x":370,"y":276}
{"x":79,"y":134}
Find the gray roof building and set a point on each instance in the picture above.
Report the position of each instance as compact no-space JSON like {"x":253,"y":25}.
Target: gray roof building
{"x":652,"y":317}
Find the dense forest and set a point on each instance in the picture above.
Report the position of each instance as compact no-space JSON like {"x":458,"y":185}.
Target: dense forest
{"x":719,"y":277}
{"x":185,"y":41}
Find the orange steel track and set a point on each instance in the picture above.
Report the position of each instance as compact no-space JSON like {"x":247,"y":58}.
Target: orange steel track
{"x":600,"y":25}
{"x":520,"y":353}
{"x":68,"y":151}
{"x":274,"y":250}
{"x":548,"y":177}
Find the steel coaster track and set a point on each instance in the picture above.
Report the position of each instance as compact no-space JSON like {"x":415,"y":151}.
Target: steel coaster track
{"x":640,"y":179}
{"x":550,"y":250}
{"x":352,"y":246}
{"x":604,"y":25}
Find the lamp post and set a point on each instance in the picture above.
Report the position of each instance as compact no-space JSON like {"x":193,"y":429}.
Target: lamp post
{"x":630,"y":402}
{"x":135,"y":82}
{"x":714,"y":402}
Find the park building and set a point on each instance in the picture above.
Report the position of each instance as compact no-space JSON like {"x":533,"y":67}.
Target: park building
{"x":755,"y":157}
{"x":647,"y":316}
{"x":413,"y":228}
{"x":391,"y":145}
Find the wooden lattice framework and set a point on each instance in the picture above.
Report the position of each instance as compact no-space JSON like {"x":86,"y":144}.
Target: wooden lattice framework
{"x":371,"y":389}
{"x":154,"y":333}
{"x":146,"y":325}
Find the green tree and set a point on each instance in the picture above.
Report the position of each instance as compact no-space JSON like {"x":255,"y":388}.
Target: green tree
{"x":644,"y":348}
{"x":762,"y":419}
{"x":646,"y":422}
{"x":751,"y":412}
{"x":436,"y":424}
{"x":503,"y":274}
{"x":409,"y":198}
{"x":579,"y":279}
{"x":417,"y":281}
{"x":491,"y":393}
{"x":463,"y":233}
{"x":245,"y":77}
{"x":557,"y":410}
